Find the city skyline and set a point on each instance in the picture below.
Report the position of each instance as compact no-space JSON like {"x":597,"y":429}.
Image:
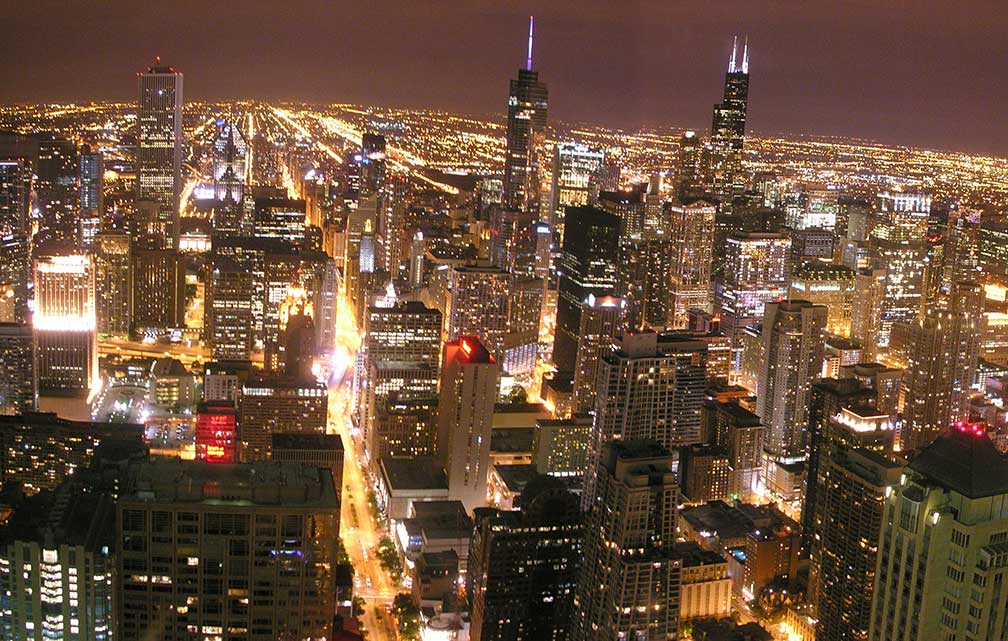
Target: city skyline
{"x":860,"y":73}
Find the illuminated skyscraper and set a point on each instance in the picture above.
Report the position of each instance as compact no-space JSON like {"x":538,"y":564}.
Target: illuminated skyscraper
{"x":898,"y":245}
{"x":630,"y":579}
{"x":15,"y":227}
{"x":793,"y":354}
{"x":114,"y":282}
{"x":65,"y":324}
{"x":602,"y":319}
{"x":229,"y":322}
{"x":728,"y":129}
{"x":91,"y":196}
{"x":56,"y":188}
{"x":478,"y":305}
{"x":274,"y":405}
{"x":372,"y":163}
{"x":687,"y":177}
{"x":526,"y":135}
{"x":229,"y":163}
{"x":692,"y":233}
{"x":465,"y":413}
{"x":574,"y":166}
{"x":587,"y":266}
{"x":159,"y":145}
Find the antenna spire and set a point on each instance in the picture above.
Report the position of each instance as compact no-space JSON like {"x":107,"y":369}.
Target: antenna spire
{"x":528,"y":62}
{"x":734,"y":47}
{"x":745,"y":56}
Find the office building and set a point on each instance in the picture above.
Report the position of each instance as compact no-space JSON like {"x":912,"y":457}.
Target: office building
{"x":468,"y":392}
{"x":866,"y":316}
{"x":40,"y":450}
{"x":560,"y":446}
{"x":525,"y":137}
{"x":281,"y":218}
{"x":251,"y":550}
{"x":728,"y":129}
{"x":216,"y":426}
{"x":18,"y":369}
{"x":692,"y":233}
{"x":274,"y":405}
{"x":65,"y":324}
{"x":229,"y":168}
{"x":91,"y":195}
{"x":792,"y":339}
{"x":884,"y":381}
{"x":706,"y":587}
{"x":574,"y":167}
{"x":631,"y":576}
{"x":159,"y":147}
{"x":734,"y":429}
{"x":587,"y":266}
{"x":523,"y":565}
{"x":688,"y":173}
{"x":942,"y":547}
{"x":832,"y":286}
{"x":113,"y":260}
{"x":313,"y":450}
{"x":898,"y":244}
{"x":602,"y":319}
{"x":56,"y":192}
{"x":645,"y":273}
{"x":228,"y":320}
{"x":15,"y":225}
{"x":705,"y":473}
{"x":521,"y":343}
{"x":158,"y":291}
{"x":404,"y":427}
{"x":478,"y":304}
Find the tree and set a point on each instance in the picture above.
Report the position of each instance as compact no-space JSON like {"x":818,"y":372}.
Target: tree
{"x":389,"y":558}
{"x":407,"y":614}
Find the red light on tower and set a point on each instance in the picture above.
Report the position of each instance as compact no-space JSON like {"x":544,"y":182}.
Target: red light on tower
{"x":466,"y":347}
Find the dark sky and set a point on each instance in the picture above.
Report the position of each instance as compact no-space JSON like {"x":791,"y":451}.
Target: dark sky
{"x":922,"y":72}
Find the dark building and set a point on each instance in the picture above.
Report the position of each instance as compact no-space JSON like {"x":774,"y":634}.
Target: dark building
{"x":587,"y":266}
{"x":158,"y":290}
{"x":523,"y":565}
{"x":526,"y":134}
{"x":18,"y":370}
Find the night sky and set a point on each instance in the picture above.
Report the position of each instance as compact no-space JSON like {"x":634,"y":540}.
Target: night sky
{"x":926,"y":72}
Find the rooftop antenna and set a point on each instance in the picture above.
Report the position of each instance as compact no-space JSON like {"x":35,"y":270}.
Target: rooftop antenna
{"x":734,"y":46}
{"x":745,"y":56}
{"x":528,"y":62}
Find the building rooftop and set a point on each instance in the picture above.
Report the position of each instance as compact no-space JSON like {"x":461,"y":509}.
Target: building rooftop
{"x":963,"y":459}
{"x":296,"y":441}
{"x":516,"y":477}
{"x":741,"y":415}
{"x":693,"y":555}
{"x":418,"y":473}
{"x":511,"y":440}
{"x":441,"y":519}
{"x":262,"y":483}
{"x":73,"y":514}
{"x":737,"y":521}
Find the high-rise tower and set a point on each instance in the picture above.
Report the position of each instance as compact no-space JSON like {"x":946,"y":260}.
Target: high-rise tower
{"x":526,"y":133}
{"x":159,"y":145}
{"x":728,"y":128}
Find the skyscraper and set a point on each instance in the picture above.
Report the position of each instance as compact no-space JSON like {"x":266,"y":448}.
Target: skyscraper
{"x":574,"y":167}
{"x":687,"y":176}
{"x":278,"y":404}
{"x":586,"y":266}
{"x":943,"y":360}
{"x":602,"y":320}
{"x":728,"y":129}
{"x":65,"y":324}
{"x":159,"y":146}
{"x":229,"y":166}
{"x":114,"y":282}
{"x":631,"y":576}
{"x":793,"y":354}
{"x":228,"y":321}
{"x":15,"y":227}
{"x":526,"y":134}
{"x":91,"y":178}
{"x":941,"y":555}
{"x":465,"y":411}
{"x":18,"y":375}
{"x":158,"y":290}
{"x":692,"y":233}
{"x":649,"y":387}
{"x":478,"y":305}
{"x":56,"y":188}
{"x":523,"y":565}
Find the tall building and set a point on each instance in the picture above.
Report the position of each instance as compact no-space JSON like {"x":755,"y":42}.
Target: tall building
{"x":942,"y":548}
{"x":465,"y":411}
{"x":830,"y":285}
{"x":372,"y":162}
{"x":523,"y":565}
{"x":649,"y":387}
{"x":631,"y":575}
{"x":252,"y":549}
{"x":793,"y":354}
{"x":15,"y":227}
{"x":942,"y":366}
{"x":574,"y":167}
{"x":230,"y":157}
{"x":478,"y":304}
{"x":18,"y":369}
{"x":646,"y":272}
{"x":91,"y":179}
{"x":692,"y":232}
{"x":526,"y":135}
{"x":755,"y":273}
{"x":866,"y":316}
{"x":728,"y":129}
{"x":521,"y":343}
{"x":734,"y":429}
{"x":158,"y":290}
{"x":587,"y":265}
{"x":159,"y":146}
{"x":57,"y":567}
{"x":114,"y":282}
{"x":853,"y":475}
{"x":65,"y":325}
{"x":228,"y":320}
{"x":277,"y":404}
{"x":57,"y":195}
{"x":688,"y":173}
{"x":602,"y":319}
{"x":898,"y":246}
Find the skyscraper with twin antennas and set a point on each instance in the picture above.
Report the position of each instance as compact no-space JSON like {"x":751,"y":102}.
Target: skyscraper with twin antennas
{"x":728,"y":128}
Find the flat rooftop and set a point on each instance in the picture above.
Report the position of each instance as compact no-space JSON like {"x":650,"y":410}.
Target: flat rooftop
{"x":419,"y":473}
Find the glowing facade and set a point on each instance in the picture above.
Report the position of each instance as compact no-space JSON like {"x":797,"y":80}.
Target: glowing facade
{"x":65,"y":324}
{"x":159,"y":145}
